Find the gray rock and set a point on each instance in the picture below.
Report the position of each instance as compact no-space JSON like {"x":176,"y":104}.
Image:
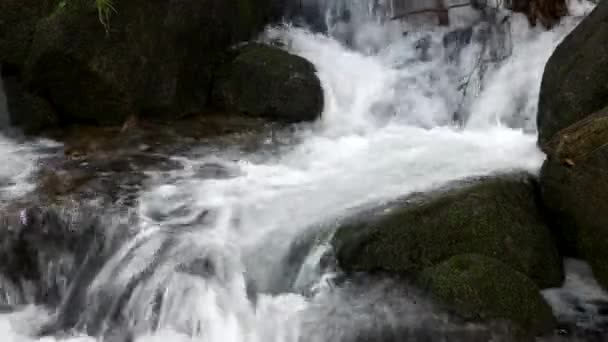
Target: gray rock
{"x":575,"y":81}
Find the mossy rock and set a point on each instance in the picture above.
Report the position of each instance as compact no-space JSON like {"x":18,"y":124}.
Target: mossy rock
{"x":574,"y":188}
{"x":266,"y":81}
{"x":480,"y":288}
{"x":155,"y":59}
{"x":494,"y":216}
{"x":575,"y":80}
{"x":18,"y":20}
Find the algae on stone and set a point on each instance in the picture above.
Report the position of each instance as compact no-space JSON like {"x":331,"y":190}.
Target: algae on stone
{"x":156,"y":60}
{"x":262,"y":80}
{"x":495,"y":216}
{"x":477,"y":287}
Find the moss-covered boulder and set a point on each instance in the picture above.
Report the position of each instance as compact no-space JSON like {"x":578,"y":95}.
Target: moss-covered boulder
{"x":266,"y":81}
{"x":480,"y":288}
{"x":18,"y":20}
{"x":496,"y":216}
{"x":574,"y":188}
{"x":154,"y":58}
{"x":575,"y":81}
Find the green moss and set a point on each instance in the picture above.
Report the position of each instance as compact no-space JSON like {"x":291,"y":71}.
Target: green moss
{"x":485,"y":289}
{"x":262,"y":80}
{"x":18,"y":19}
{"x":497,"y":217}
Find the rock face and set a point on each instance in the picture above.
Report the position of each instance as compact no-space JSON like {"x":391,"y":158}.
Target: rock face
{"x":156,"y":58}
{"x":482,"y":288}
{"x":497,"y":217}
{"x":266,"y":81}
{"x":574,"y":188}
{"x":575,"y":82}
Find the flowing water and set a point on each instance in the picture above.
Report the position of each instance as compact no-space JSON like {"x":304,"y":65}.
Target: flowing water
{"x":407,"y":110}
{"x":18,"y":159}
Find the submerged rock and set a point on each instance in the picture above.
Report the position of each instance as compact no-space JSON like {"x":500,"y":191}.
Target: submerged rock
{"x":574,"y":188}
{"x":266,"y":81}
{"x":480,"y":288}
{"x":41,"y":252}
{"x":495,"y":216}
{"x":575,"y":81}
{"x":153,"y":58}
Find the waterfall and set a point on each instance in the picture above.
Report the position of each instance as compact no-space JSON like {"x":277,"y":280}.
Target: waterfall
{"x":243,"y":258}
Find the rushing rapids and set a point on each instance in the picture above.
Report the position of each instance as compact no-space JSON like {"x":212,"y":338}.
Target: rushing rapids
{"x":243,"y":255}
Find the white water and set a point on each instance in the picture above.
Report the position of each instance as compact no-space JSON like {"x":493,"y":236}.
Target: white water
{"x":18,"y":161}
{"x":386,"y":131}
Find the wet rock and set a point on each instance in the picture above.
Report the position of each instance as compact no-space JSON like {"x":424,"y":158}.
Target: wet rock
{"x":574,"y":188}
{"x":575,"y":81}
{"x":28,"y":111}
{"x":52,"y":183}
{"x":546,"y":12}
{"x":494,"y":216}
{"x":455,"y":40}
{"x":480,"y":288}
{"x":376,"y":309}
{"x":153,"y":59}
{"x":266,"y":81}
{"x":307,"y":13}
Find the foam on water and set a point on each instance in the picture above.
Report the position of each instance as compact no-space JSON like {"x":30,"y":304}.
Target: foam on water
{"x":18,"y":159}
{"x":387,"y":131}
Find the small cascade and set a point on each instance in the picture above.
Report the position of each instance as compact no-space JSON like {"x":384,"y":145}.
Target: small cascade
{"x":245,"y":256}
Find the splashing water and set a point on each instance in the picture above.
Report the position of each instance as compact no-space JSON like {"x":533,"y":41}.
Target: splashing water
{"x":211,"y":259}
{"x":18,"y":160}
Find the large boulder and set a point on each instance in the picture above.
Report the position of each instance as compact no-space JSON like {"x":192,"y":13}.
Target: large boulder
{"x":574,"y":188}
{"x":18,"y":20}
{"x":153,"y":58}
{"x":266,"y":81}
{"x":480,"y":288}
{"x":496,"y":216}
{"x":575,"y":81}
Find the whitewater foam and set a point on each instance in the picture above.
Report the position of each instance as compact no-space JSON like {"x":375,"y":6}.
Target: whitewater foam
{"x":388,"y":129}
